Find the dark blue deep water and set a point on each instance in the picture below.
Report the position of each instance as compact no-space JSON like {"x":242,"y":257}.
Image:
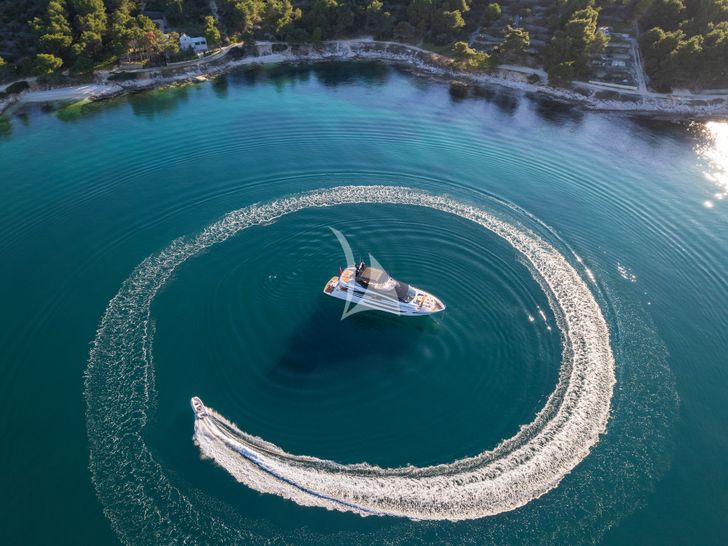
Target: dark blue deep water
{"x":87,"y":193}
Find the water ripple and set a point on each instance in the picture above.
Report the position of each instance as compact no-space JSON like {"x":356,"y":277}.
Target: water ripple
{"x":119,"y":386}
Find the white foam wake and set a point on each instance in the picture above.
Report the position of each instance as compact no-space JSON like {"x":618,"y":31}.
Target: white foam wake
{"x":517,"y":471}
{"x":141,"y":501}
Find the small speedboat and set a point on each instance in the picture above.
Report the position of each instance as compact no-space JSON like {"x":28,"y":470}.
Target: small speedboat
{"x":374,"y":288}
{"x":198,"y":407}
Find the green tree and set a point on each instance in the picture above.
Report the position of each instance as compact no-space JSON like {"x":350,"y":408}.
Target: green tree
{"x":316,"y":35}
{"x":55,"y":35}
{"x":659,"y":51}
{"x":562,"y":72}
{"x":344,"y":19}
{"x":405,"y":32}
{"x":568,"y":52}
{"x":385,"y":28}
{"x":211,"y":32}
{"x":666,"y":14}
{"x":445,"y":23}
{"x":492,"y":12}
{"x":467,"y":58}
{"x":45,"y":64}
{"x":688,"y":58}
{"x":173,"y":10}
{"x":420,"y":13}
{"x":122,"y":24}
{"x":515,"y":42}
{"x":91,"y":25}
{"x":240,"y":16}
{"x":462,"y":50}
{"x":477,"y":11}
{"x":715,"y":53}
{"x":567,"y":8}
{"x":278,"y":15}
{"x":171,"y":44}
{"x":373,"y":12}
{"x":322,"y":17}
{"x":461,"y":5}
{"x":686,"y":44}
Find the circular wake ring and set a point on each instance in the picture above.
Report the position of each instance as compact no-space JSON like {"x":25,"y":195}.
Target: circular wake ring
{"x":119,"y":385}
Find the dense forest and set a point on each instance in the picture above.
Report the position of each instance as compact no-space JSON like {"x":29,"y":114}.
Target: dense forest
{"x":684,"y":42}
{"x":83,"y":34}
{"x":574,"y":41}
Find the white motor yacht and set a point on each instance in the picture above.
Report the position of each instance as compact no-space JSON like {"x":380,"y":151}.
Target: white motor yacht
{"x":374,"y":288}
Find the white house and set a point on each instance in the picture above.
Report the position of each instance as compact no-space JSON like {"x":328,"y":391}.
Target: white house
{"x":197,"y":44}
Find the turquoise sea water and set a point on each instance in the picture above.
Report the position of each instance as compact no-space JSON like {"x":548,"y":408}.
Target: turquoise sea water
{"x":85,"y":197}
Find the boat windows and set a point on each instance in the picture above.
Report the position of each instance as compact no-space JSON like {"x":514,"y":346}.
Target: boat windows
{"x":405,"y":293}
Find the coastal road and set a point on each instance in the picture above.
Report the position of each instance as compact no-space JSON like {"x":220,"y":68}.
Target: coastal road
{"x":524,"y":70}
{"x":639,"y":69}
{"x":75,"y":92}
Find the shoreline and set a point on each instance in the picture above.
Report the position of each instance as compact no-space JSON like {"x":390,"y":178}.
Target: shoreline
{"x":421,"y":62}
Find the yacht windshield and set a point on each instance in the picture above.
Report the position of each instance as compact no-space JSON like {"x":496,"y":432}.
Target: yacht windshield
{"x":405,"y":293}
{"x":411,"y":293}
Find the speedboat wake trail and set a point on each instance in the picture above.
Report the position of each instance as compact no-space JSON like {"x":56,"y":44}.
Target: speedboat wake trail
{"x":518,"y":470}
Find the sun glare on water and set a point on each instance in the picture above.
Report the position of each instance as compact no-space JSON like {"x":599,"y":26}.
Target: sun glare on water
{"x":715,"y":154}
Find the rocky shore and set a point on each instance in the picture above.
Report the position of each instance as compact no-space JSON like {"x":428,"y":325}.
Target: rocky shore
{"x":422,"y":62}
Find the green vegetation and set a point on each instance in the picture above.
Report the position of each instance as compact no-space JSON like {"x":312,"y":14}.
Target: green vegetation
{"x":492,"y":12}
{"x":467,"y":58}
{"x":80,"y":34}
{"x":46,"y":63}
{"x":574,"y":41}
{"x":72,"y":110}
{"x":435,"y":21}
{"x":685,"y":43}
{"x":482,"y":12}
{"x":17,"y":87}
{"x":212,"y":34}
{"x":516,"y":42}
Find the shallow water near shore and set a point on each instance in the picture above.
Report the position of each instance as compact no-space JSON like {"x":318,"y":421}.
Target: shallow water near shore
{"x":87,"y":195}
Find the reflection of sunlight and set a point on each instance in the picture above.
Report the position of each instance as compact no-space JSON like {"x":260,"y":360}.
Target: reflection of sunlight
{"x":715,"y":152}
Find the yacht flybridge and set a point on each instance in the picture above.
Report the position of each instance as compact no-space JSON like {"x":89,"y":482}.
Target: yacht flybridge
{"x":374,"y":288}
